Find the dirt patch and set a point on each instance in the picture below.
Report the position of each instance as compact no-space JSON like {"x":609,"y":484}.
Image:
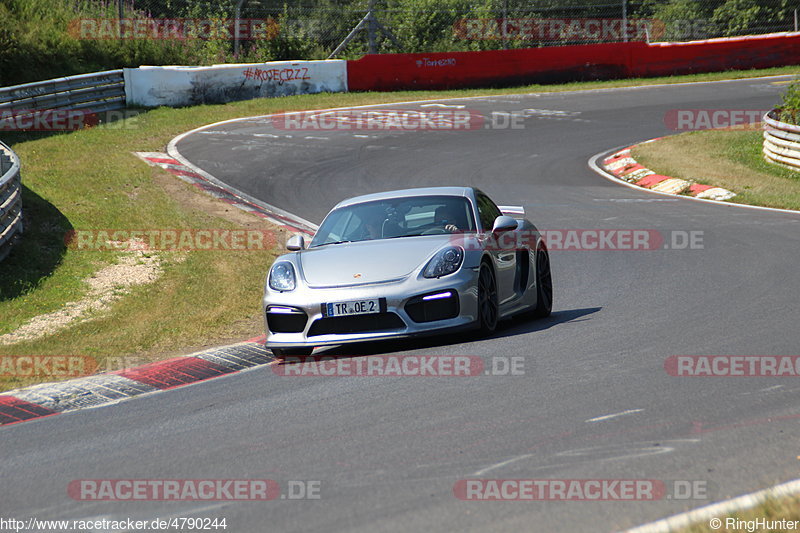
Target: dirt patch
{"x":189,"y":197}
{"x":106,"y":286}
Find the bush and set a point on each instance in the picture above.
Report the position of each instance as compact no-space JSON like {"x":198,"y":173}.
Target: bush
{"x":789,"y":110}
{"x":36,"y":43}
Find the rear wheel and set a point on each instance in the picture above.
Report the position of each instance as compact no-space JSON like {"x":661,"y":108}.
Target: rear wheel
{"x":487,"y":300}
{"x":289,"y":352}
{"x":544,"y":284}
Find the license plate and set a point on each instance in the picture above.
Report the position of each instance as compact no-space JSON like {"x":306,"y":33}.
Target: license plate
{"x":355,"y":307}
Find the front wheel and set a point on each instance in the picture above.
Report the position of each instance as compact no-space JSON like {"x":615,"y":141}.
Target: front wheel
{"x":289,"y":352}
{"x":544,"y":284}
{"x":488,"y":308}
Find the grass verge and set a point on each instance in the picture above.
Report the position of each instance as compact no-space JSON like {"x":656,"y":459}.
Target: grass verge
{"x":787,"y":509}
{"x":724,"y":158}
{"x":90,"y":180}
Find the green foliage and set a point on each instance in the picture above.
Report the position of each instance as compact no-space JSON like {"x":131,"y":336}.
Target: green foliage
{"x":36,"y":42}
{"x":736,"y":17}
{"x":428,"y":25}
{"x":700,"y":19}
{"x":680,"y":20}
{"x":790,"y":108}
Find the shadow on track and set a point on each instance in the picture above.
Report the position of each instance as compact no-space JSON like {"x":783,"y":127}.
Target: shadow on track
{"x":508,"y":328}
{"x":525,"y":324}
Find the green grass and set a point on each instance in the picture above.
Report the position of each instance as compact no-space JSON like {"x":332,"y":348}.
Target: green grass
{"x":90,"y":180}
{"x":729,"y":159}
{"x":772,"y":509}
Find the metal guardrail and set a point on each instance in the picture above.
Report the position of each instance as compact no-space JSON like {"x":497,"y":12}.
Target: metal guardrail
{"x":781,"y":141}
{"x":97,"y":92}
{"x":10,"y":200}
{"x":94,"y":93}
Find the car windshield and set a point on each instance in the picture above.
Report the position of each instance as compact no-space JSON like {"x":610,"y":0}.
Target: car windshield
{"x":396,"y":217}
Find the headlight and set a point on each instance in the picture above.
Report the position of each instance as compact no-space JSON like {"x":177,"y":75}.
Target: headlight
{"x":281,"y":277}
{"x":446,"y":261}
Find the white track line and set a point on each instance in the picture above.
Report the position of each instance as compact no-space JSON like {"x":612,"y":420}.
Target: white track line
{"x":501,"y":464}
{"x":172,"y":149}
{"x":173,"y":152}
{"x":171,"y":146}
{"x":615,"y":415}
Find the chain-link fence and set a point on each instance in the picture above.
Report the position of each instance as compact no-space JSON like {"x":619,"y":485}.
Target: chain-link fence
{"x":317,"y":29}
{"x":46,"y":38}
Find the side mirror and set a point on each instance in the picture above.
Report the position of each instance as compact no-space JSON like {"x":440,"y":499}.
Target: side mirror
{"x":504,"y":223}
{"x":295,"y":243}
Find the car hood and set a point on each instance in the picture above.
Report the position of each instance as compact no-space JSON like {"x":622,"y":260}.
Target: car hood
{"x":363,"y":262}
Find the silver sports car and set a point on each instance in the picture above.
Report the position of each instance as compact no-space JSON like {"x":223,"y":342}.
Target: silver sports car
{"x":406,"y":263}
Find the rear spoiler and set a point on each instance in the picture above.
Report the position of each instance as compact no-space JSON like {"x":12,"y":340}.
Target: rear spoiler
{"x":512,"y":210}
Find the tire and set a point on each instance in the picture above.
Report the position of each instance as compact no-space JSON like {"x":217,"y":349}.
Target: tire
{"x":289,"y":352}
{"x":544,"y":284}
{"x":488,"y":307}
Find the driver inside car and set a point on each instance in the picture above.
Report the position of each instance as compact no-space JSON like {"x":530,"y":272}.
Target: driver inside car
{"x":445,"y":218}
{"x":373,"y":225}
{"x":373,"y":228}
{"x":379,"y":223}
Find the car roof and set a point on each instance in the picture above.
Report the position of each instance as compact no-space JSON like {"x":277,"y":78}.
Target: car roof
{"x":407,"y":193}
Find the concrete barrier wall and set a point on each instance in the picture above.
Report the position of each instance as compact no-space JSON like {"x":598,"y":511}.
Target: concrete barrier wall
{"x":184,"y":86}
{"x":391,"y":72}
{"x":450,"y":70}
{"x":714,"y":55}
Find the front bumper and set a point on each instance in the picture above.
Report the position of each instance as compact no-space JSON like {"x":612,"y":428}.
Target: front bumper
{"x":394,"y":322}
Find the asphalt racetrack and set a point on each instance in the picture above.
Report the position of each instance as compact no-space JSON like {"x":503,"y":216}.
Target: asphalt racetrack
{"x":594,"y":400}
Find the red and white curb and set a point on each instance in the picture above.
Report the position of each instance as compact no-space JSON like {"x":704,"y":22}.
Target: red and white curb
{"x":189,"y":175}
{"x":102,"y":389}
{"x":622,"y":165}
{"x":50,"y":399}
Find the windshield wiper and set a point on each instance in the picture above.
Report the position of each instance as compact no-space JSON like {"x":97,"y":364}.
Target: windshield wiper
{"x":333,"y":242}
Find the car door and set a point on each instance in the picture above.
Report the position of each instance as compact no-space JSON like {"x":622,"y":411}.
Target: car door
{"x":505,"y":260}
